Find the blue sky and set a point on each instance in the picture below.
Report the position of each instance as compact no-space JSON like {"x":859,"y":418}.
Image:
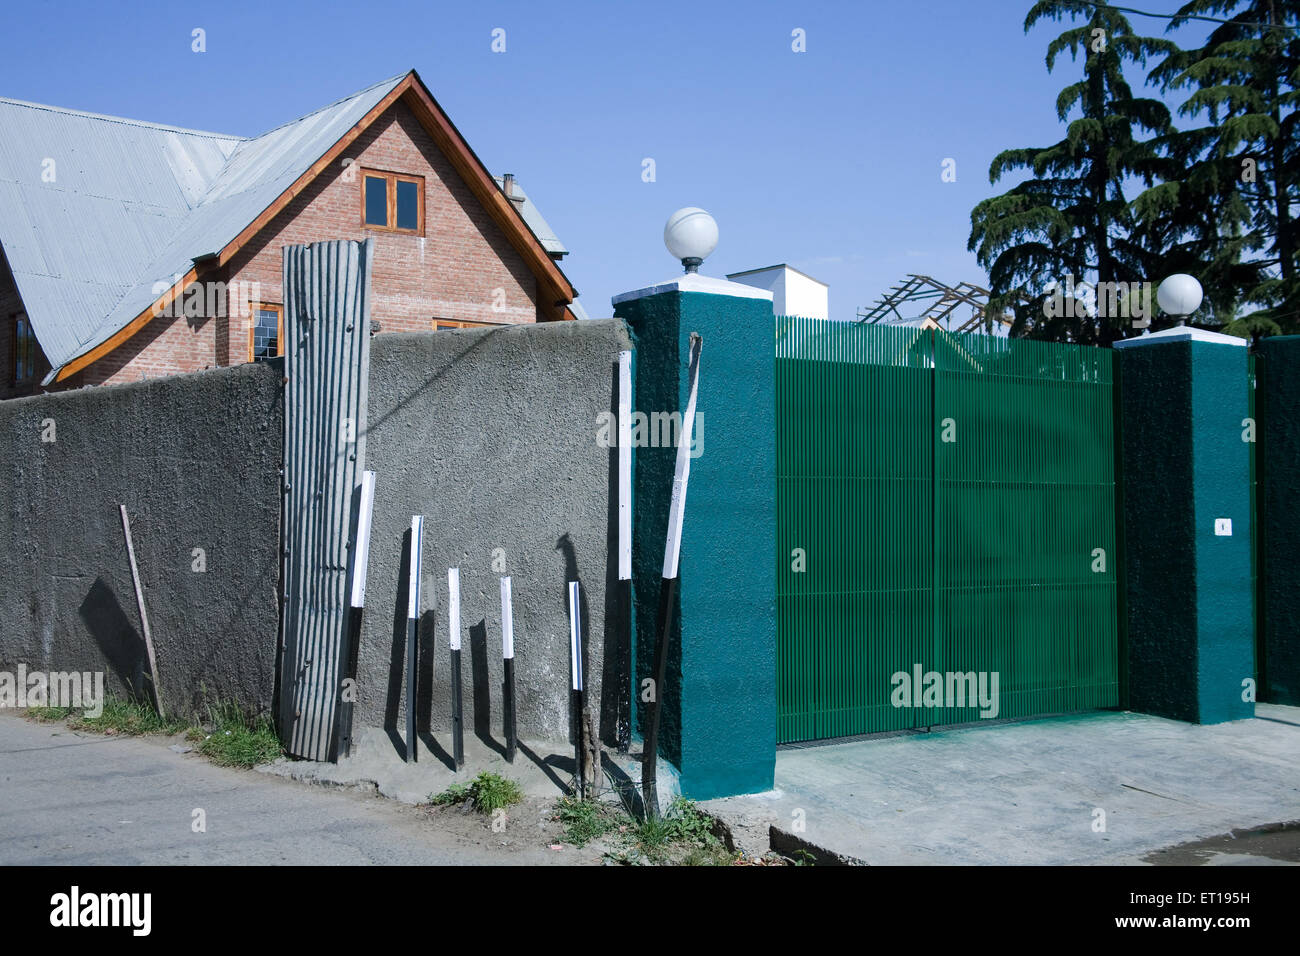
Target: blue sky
{"x":829,"y":160}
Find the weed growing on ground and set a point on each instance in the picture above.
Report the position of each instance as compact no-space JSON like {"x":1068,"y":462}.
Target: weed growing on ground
{"x":237,"y":740}
{"x":587,"y":820}
{"x":487,"y":793}
{"x":683,"y":836}
{"x":126,"y":717}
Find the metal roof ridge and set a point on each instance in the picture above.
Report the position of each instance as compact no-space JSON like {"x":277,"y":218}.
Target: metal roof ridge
{"x":121,"y":120}
{"x":392,"y":80}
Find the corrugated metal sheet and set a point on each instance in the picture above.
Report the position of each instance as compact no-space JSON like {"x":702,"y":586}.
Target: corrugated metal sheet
{"x":327,"y":363}
{"x":133,"y":203}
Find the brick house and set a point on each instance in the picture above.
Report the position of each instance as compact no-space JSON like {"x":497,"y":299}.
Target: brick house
{"x":132,"y":250}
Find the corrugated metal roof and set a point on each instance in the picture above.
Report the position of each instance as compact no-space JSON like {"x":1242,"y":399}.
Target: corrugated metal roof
{"x":130,"y":205}
{"x":533,"y":218}
{"x":86,"y":202}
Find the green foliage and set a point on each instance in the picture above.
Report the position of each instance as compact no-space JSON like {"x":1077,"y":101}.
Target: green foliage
{"x":1071,"y":215}
{"x":237,"y":740}
{"x":487,"y":792}
{"x":1235,"y":226}
{"x":684,"y":835}
{"x":127,"y":718}
{"x":1197,"y":211}
{"x":587,"y":820}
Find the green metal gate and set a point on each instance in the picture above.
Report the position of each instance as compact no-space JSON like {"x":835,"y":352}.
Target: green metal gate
{"x":946,"y":506}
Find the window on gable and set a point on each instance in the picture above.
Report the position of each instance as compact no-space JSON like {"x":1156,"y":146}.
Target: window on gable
{"x":392,"y":201}
{"x":25,"y":350}
{"x":265,"y":332}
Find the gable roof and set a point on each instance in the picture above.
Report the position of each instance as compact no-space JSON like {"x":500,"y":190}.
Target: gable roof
{"x":131,"y":206}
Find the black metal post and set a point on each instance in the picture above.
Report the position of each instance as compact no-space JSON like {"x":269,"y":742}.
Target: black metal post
{"x":412,"y":648}
{"x":413,"y":634}
{"x":457,"y":704}
{"x":575,"y":654}
{"x":668,"y":586}
{"x":650,"y":754}
{"x":457,"y":713}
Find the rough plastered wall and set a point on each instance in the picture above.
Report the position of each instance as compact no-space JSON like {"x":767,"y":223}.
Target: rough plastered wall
{"x":491,"y":434}
{"x":195,"y":458}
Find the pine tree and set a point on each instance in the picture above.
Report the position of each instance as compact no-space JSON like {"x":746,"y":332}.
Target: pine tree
{"x":1072,"y":216}
{"x":1230,"y":213}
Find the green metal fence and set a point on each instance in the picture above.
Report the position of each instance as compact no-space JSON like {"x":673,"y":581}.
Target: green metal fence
{"x":946,"y":504}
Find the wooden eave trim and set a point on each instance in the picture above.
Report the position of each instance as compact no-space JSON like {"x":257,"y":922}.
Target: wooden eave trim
{"x":471,"y":169}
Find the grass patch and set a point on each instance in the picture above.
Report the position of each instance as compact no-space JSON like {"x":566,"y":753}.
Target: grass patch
{"x":128,"y":718}
{"x":487,"y":793}
{"x":681,"y":837}
{"x":234,"y":740}
{"x":237,"y":740}
{"x":587,"y":820}
{"x":46,"y":715}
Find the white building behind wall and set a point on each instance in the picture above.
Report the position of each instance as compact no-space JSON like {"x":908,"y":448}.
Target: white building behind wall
{"x":793,"y":293}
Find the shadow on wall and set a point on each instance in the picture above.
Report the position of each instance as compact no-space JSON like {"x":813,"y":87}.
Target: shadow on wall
{"x":480,"y":682}
{"x":566,"y":548}
{"x":122,"y":646}
{"x":397,"y":651}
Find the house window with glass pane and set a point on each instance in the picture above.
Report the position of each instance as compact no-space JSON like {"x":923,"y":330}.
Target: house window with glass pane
{"x":393,"y":202}
{"x":265,"y":332}
{"x":25,"y":350}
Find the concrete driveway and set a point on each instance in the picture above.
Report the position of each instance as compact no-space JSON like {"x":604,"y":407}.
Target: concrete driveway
{"x":1100,"y":788}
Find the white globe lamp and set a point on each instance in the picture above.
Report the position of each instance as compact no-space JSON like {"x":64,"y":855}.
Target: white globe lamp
{"x":691,"y":235}
{"x":1180,"y":295}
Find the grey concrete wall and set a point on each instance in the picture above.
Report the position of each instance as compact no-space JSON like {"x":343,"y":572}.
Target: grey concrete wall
{"x":491,"y":435}
{"x":195,"y":458}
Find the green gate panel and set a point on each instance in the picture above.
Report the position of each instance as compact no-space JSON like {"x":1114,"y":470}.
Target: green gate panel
{"x":945,"y":504}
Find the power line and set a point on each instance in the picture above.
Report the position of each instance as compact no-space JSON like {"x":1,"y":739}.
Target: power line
{"x":1189,"y":16}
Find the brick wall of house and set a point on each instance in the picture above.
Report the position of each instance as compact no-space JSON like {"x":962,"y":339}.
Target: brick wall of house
{"x":463,"y":269}
{"x":10,"y":307}
{"x":167,"y":345}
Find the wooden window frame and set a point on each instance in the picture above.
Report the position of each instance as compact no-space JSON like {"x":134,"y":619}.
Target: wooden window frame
{"x":253,"y":309}
{"x":391,"y":180}
{"x":444,"y":325}
{"x":14,"y":319}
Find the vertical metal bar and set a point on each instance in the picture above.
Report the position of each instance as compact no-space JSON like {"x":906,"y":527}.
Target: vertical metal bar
{"x":624,"y":594}
{"x":412,"y":633}
{"x":356,"y":611}
{"x":453,"y":635}
{"x":508,"y":661}
{"x":575,"y":673}
{"x":668,"y":586}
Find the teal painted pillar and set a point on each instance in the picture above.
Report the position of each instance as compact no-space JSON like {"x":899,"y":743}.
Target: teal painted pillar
{"x":1186,"y":490}
{"x":718,"y":723}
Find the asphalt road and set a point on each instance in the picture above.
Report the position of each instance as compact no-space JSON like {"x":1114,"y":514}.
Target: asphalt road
{"x":83,"y":799}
